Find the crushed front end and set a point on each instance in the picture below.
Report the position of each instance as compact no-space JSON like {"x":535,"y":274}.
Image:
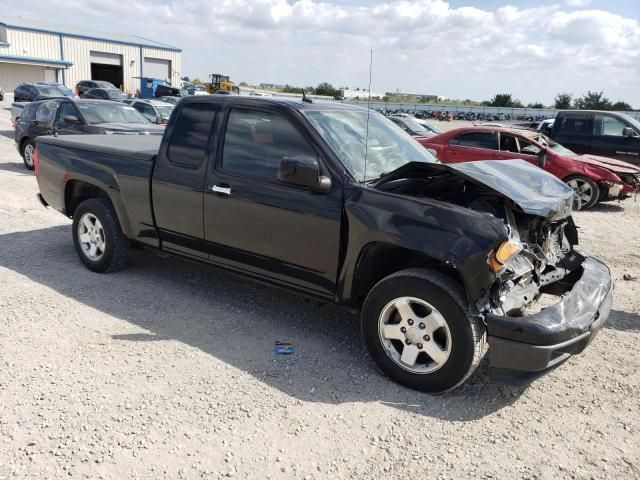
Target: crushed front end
{"x":548,"y":301}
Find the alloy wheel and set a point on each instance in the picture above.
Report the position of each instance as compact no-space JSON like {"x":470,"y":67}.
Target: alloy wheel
{"x":91,"y":237}
{"x":415,"y":335}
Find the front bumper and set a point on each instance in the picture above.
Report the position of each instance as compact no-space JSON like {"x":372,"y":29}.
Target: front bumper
{"x":524,"y":348}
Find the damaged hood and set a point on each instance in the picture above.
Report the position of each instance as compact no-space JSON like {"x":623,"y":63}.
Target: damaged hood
{"x":616,"y":166}
{"x":533,"y":190}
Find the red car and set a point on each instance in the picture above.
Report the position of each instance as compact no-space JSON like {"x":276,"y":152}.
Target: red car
{"x":593,"y":178}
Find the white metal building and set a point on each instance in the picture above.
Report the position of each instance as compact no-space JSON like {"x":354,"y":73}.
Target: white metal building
{"x":32,"y":51}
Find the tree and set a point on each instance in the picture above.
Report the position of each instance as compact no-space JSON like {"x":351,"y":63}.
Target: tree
{"x":243,"y":84}
{"x":197,"y":81}
{"x":185,"y":79}
{"x":501,"y":100}
{"x":563,"y":101}
{"x":621,"y":106}
{"x":536,"y":105}
{"x":592,"y":101}
{"x":326,"y":88}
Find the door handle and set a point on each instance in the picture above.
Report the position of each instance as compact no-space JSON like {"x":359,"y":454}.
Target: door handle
{"x":221,"y":189}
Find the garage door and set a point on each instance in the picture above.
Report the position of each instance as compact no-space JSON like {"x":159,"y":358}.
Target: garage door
{"x":104,"y":58}
{"x":13,"y":74}
{"x":157,"y":68}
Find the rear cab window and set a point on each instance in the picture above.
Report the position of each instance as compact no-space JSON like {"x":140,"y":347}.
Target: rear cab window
{"x":46,"y":112}
{"x":256,"y":141}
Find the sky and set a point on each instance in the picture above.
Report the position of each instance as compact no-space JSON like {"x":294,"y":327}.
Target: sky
{"x":457,"y":49}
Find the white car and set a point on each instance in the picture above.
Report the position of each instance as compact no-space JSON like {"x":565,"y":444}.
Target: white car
{"x":154,"y":110}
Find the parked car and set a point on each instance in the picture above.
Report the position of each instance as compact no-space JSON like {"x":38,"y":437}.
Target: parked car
{"x":84,"y":86}
{"x":171,"y":100}
{"x":105,"y":94}
{"x":29,"y":92}
{"x":199,"y":90}
{"x":154,"y":110}
{"x":438,"y":259}
{"x":610,"y":134}
{"x":592,"y":178}
{"x":169,"y":91}
{"x":1,"y":94}
{"x":412,"y":127}
{"x":75,"y":117}
{"x":67,"y":93}
{"x":429,"y":126}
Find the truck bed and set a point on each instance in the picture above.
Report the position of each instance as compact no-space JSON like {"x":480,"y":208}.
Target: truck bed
{"x":139,"y":147}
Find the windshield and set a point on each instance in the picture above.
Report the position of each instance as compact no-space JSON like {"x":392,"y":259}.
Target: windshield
{"x":107,"y":85}
{"x":48,"y":91}
{"x":164,"y":110}
{"x":631,"y":121}
{"x":115,"y":94}
{"x":110,"y":113}
{"x":388,"y":146}
{"x":555,"y":146}
{"x":414,"y":126}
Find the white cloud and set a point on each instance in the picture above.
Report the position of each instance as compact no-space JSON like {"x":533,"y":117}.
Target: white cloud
{"x":577,"y":3}
{"x":423,"y":46}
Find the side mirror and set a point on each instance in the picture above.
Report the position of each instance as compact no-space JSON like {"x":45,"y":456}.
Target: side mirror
{"x":542,"y":158}
{"x":629,"y":132}
{"x":71,"y":119}
{"x":303,"y":171}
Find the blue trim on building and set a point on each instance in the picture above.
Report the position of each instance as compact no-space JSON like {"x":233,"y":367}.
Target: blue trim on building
{"x":64,"y":75}
{"x":87,"y":37}
{"x":39,"y":61}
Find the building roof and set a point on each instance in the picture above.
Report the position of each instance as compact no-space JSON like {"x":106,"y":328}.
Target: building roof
{"x":68,"y":31}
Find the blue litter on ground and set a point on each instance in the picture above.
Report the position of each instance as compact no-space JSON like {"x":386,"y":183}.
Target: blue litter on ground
{"x":284,"y":347}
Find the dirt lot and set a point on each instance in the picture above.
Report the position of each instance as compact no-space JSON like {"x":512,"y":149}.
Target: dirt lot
{"x":166,"y":370}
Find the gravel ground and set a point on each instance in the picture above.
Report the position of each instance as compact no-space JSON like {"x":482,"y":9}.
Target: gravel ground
{"x":166,"y":370}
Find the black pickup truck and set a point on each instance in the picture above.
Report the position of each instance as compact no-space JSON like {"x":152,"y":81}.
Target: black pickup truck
{"x":594,"y":132}
{"x":340,"y":204}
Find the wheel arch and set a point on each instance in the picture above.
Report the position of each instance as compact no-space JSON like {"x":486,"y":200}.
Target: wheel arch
{"x":378,"y":260}
{"x":76,"y":191}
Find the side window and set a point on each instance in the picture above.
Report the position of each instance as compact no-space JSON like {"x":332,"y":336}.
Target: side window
{"x":575,"y":123}
{"x":605,"y":125}
{"x":508,"y":143}
{"x":190,"y":137}
{"x":527,"y":147}
{"x":255,"y":142}
{"x":46,"y":111}
{"x":67,"y":109}
{"x":475,"y":140}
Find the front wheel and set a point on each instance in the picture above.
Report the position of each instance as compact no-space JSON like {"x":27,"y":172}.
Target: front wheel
{"x":97,"y":236}
{"x":586,"y":190}
{"x":417,"y":329}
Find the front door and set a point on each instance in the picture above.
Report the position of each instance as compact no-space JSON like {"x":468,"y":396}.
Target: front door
{"x":608,"y":140}
{"x":64,"y":124}
{"x":257,"y":224}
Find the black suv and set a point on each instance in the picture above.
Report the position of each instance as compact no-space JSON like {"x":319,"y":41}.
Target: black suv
{"x":608,"y":134}
{"x":28,"y":92}
{"x":105,"y":94}
{"x":84,"y":86}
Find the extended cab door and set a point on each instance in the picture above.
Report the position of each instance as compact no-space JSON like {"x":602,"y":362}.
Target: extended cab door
{"x":573,"y":130}
{"x":256,"y":224}
{"x":470,"y":146}
{"x":609,"y":141}
{"x":178,"y":179}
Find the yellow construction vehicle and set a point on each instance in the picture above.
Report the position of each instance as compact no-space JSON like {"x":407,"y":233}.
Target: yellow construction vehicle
{"x":221,"y":82}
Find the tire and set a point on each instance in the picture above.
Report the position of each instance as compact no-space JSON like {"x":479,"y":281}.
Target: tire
{"x":103,"y":249}
{"x":462,"y":335}
{"x":27,"y":150}
{"x":587,"y":190}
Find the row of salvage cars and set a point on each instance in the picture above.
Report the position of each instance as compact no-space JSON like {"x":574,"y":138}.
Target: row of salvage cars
{"x":594,"y":178}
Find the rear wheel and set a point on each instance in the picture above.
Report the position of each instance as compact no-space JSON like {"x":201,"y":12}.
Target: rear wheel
{"x":587,"y":191}
{"x":416,"y":327}
{"x":97,"y":236}
{"x":28,"y":151}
